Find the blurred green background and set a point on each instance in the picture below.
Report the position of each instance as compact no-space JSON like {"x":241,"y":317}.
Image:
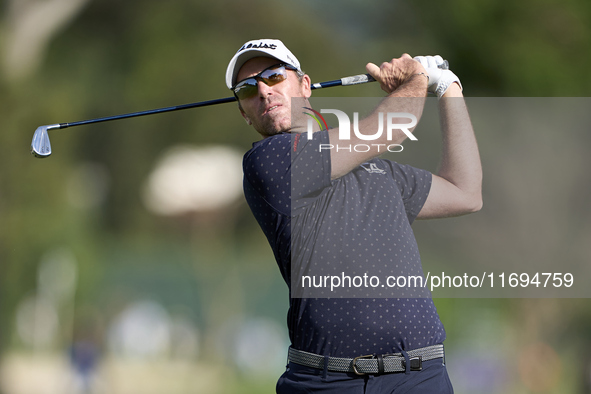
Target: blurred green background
{"x":153,"y":291}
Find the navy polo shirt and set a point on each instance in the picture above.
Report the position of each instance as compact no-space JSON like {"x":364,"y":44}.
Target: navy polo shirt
{"x":358,"y":223}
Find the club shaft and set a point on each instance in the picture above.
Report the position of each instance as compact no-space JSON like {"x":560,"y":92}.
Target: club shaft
{"x":353,"y":80}
{"x":149,"y":112}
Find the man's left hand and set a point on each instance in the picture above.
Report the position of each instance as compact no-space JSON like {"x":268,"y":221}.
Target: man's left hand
{"x":439,"y":79}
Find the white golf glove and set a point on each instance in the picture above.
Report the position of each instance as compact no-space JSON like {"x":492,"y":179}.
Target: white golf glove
{"x":439,"y":79}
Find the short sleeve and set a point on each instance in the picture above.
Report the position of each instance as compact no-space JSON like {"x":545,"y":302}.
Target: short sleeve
{"x":414,"y":184}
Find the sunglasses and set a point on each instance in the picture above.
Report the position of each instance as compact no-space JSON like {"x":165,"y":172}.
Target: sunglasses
{"x":273,"y":75}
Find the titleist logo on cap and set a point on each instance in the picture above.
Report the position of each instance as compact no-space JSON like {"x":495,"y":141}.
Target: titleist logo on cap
{"x":261,"y":45}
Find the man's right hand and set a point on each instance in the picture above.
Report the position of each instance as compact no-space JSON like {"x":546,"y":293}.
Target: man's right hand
{"x":391,"y":75}
{"x":402,"y":78}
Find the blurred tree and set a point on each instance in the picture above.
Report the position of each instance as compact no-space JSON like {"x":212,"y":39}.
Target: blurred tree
{"x":29,"y":26}
{"x":520,"y":48}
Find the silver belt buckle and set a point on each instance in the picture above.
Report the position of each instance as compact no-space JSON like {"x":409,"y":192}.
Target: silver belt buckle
{"x":355,"y":364}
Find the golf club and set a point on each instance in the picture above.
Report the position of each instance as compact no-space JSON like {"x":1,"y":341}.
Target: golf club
{"x":41,"y":147}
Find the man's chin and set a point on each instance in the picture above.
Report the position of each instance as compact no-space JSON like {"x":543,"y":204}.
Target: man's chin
{"x":271,"y":132}
{"x":274,"y":129}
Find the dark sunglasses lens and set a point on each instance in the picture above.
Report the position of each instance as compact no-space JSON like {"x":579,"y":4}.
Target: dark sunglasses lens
{"x":246,"y":89}
{"x":249,"y":87}
{"x":274,"y":76}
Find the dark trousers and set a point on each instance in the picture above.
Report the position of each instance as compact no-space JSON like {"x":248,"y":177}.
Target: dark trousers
{"x":298,"y":379}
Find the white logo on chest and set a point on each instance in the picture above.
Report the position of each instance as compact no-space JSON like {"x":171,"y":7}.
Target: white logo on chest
{"x":372,"y":168}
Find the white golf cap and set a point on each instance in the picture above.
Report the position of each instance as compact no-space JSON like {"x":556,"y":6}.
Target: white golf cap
{"x":255,"y":48}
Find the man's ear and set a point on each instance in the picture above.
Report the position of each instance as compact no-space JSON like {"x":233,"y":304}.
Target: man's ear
{"x":307,"y":86}
{"x":248,"y":121}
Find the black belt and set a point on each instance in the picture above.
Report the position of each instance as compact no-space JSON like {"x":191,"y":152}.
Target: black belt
{"x":370,"y":364}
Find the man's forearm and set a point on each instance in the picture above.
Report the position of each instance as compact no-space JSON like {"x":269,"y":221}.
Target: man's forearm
{"x":460,"y":161}
{"x":409,"y":98}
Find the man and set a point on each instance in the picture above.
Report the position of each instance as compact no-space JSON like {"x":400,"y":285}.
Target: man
{"x":319,"y":208}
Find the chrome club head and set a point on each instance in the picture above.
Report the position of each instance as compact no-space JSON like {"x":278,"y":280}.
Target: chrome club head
{"x":40,"y":146}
